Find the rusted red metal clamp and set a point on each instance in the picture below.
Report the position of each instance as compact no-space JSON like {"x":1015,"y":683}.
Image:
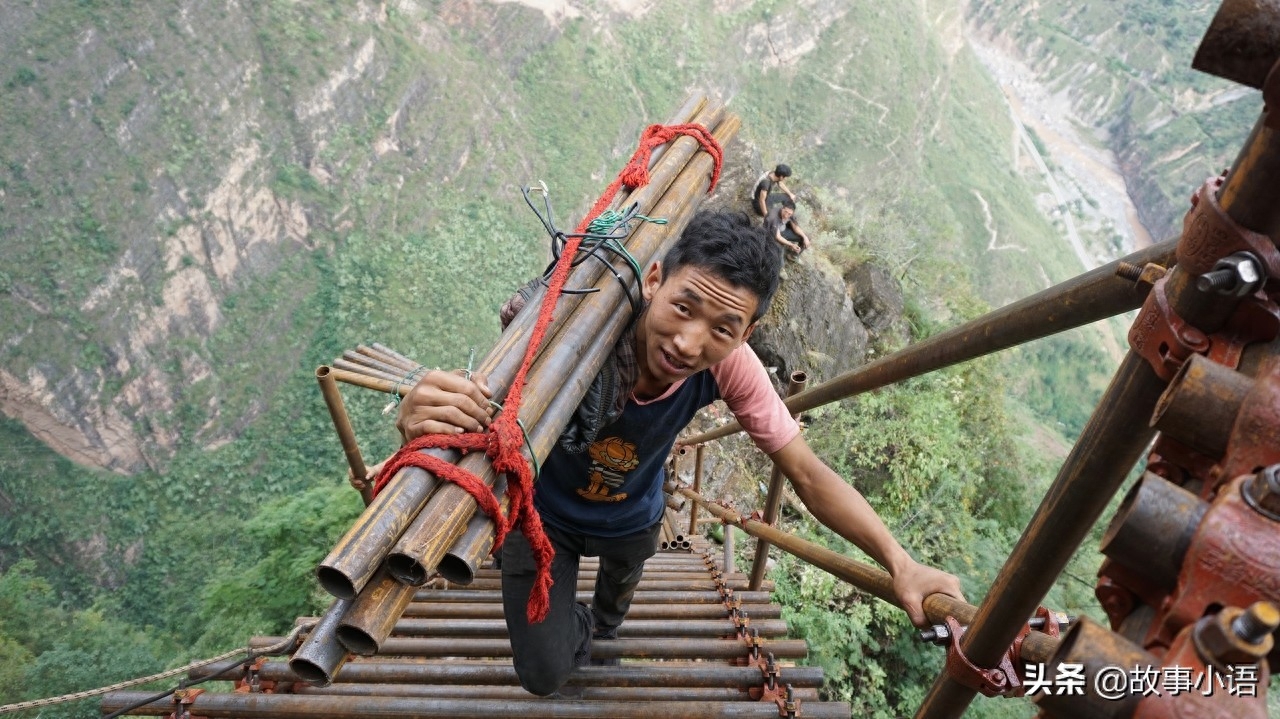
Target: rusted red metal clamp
{"x":182,"y":701}
{"x":1161,"y":337}
{"x":252,"y":682}
{"x":1209,"y":234}
{"x":1003,"y":680}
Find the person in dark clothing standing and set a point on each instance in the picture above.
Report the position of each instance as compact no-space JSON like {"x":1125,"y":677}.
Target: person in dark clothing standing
{"x":769,"y":183}
{"x":702,"y":301}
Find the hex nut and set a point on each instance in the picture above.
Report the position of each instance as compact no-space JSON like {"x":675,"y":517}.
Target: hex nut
{"x":1263,"y":491}
{"x":1218,"y":643}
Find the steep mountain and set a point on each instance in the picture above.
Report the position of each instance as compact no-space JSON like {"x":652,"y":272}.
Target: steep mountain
{"x":202,"y":201}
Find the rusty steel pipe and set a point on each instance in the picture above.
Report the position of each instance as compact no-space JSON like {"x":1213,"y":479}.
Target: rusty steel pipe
{"x":389,"y":357}
{"x":1093,"y":646}
{"x":357,"y":379}
{"x":552,"y":398}
{"x":631,"y":628}
{"x":664,"y":674}
{"x":729,"y":567}
{"x":698,"y":465}
{"x":342,"y":425}
{"x":644,"y":648}
{"x":1153,"y":528}
{"x":287,"y":706}
{"x":647,"y":584}
{"x":373,"y":614}
{"x":1200,"y":405}
{"x":631,"y":694}
{"x":366,"y":360}
{"x":321,"y":656}
{"x":795,"y":385}
{"x":637,"y":611}
{"x":641,"y":597}
{"x":366,"y":370}
{"x":1086,"y":298}
{"x":462,"y":561}
{"x":351,"y":563}
{"x":873,"y":580}
{"x":1242,"y":43}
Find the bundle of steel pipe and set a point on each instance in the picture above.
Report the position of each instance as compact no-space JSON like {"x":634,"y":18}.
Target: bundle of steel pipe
{"x":418,"y":530}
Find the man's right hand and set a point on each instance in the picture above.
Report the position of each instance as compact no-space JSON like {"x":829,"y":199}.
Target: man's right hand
{"x":445,"y":403}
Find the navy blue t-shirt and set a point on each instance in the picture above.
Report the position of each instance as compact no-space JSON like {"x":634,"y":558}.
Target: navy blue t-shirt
{"x":615,"y":487}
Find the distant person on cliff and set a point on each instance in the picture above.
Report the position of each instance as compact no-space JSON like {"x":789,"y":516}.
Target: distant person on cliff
{"x":782,"y":228}
{"x":769,"y":183}
{"x":600,"y":492}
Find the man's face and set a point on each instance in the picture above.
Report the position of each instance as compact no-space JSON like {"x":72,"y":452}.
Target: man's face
{"x":785,"y":213}
{"x":695,"y":319}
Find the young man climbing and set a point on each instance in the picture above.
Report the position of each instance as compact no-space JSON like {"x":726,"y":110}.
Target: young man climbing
{"x":768,"y":183}
{"x":688,"y":348}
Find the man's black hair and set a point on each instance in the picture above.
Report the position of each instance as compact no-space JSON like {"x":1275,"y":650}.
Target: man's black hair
{"x":728,"y":246}
{"x":788,"y":203}
{"x":782,"y":170}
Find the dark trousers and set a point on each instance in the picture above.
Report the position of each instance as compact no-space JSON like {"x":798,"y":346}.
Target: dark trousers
{"x":544,"y":652}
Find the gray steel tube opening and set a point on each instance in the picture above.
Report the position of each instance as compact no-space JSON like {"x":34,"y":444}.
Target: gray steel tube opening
{"x":335,"y":582}
{"x":453,"y":568}
{"x":1153,"y":528}
{"x":406,"y":569}
{"x":357,"y":640}
{"x":311,"y":672}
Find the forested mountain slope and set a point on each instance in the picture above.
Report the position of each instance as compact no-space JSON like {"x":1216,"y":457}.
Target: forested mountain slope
{"x":202,"y":201}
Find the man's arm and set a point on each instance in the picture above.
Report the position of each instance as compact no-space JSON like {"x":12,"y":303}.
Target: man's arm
{"x":842,"y":508}
{"x":804,"y":239}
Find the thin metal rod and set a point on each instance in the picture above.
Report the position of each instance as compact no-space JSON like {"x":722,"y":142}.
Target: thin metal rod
{"x":873,"y":580}
{"x":342,"y":424}
{"x":292,"y":706}
{"x":699,"y":460}
{"x":1089,"y":297}
{"x":796,"y":385}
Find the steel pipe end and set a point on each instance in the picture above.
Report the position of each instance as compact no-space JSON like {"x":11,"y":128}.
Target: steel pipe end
{"x":312,"y":672}
{"x":407,"y":570}
{"x":336,"y":583}
{"x":357,"y":640}
{"x":456,"y":570}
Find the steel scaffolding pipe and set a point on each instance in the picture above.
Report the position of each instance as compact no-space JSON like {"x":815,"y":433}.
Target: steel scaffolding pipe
{"x":643,"y":648}
{"x":631,"y":628}
{"x":796,"y":385}
{"x":357,"y":555}
{"x":658,"y":674}
{"x":295,"y":706}
{"x":647,"y":584}
{"x":597,"y":325}
{"x":637,"y":611}
{"x":630,"y":694}
{"x":1089,"y":297}
{"x":873,"y":580}
{"x":373,"y":614}
{"x":1114,"y":437}
{"x":659,"y":596}
{"x":321,"y":655}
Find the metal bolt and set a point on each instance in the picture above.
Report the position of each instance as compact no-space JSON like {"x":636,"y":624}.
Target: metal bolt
{"x":1238,"y":274}
{"x":937,"y":634}
{"x":1128,"y":271}
{"x":1262,"y":492}
{"x":1257,"y":622}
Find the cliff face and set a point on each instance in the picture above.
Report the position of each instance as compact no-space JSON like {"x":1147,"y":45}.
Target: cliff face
{"x":1122,"y":71}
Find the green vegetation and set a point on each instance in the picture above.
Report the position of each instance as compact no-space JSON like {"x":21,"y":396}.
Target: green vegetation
{"x":400,"y":140}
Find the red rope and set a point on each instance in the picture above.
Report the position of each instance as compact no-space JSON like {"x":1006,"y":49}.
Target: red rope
{"x":505,"y":439}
